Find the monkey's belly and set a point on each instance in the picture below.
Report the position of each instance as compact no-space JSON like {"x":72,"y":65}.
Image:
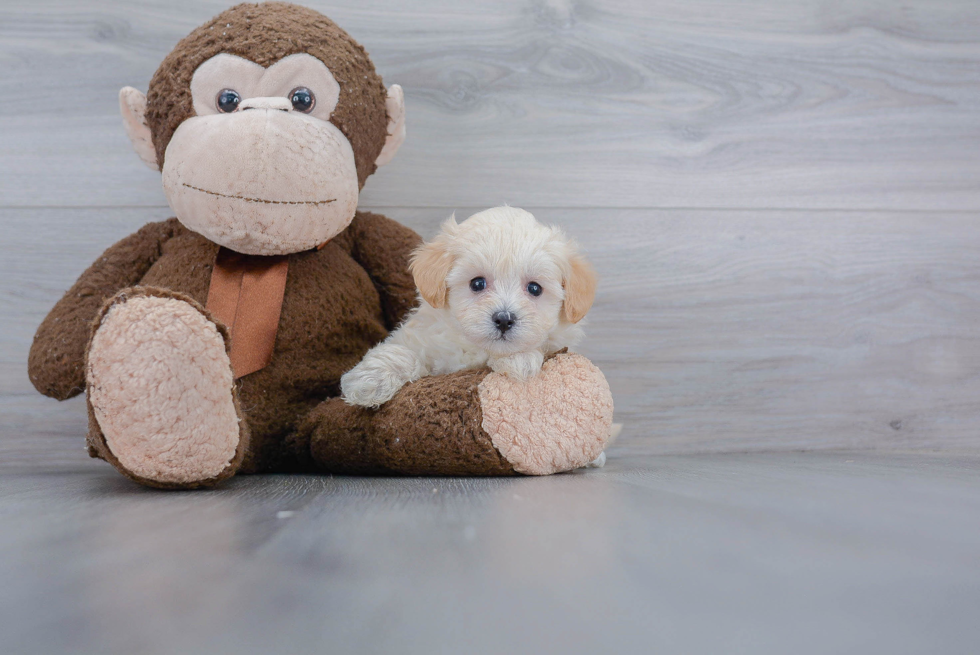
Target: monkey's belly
{"x":331,"y":315}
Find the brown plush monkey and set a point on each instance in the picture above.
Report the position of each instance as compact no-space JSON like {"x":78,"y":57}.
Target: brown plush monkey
{"x":213,"y":343}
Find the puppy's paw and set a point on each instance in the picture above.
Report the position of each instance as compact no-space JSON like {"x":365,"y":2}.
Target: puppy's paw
{"x":360,"y":387}
{"x":384,"y":370}
{"x":520,"y":366}
{"x":598,"y":462}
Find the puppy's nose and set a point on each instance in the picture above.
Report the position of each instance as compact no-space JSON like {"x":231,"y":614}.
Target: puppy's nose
{"x":504,"y":321}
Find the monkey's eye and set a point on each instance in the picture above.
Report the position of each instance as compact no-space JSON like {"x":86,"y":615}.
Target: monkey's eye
{"x":534,"y":288}
{"x":302,"y":99}
{"x":228,"y":100}
{"x":478,"y":284}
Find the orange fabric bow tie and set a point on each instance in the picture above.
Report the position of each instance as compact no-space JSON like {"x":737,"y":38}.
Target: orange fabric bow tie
{"x":246,"y":295}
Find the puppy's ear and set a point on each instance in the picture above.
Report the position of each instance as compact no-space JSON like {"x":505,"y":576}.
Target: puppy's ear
{"x":579,"y":283}
{"x":430,"y":265}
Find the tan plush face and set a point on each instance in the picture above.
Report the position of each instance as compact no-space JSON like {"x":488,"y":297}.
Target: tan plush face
{"x":260,"y":169}
{"x":265,"y":121}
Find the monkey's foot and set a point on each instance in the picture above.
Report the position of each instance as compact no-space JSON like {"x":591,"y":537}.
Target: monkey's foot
{"x":558,"y":420}
{"x":160,"y":392}
{"x":471,"y":422}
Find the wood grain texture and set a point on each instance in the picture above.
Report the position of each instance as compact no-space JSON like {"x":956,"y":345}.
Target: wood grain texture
{"x":718,"y":331}
{"x":763,"y":553}
{"x":854,"y":104}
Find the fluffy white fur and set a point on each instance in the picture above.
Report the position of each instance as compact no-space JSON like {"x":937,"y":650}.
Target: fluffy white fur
{"x":453,"y":328}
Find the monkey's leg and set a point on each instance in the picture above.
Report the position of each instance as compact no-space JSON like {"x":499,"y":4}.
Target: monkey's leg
{"x":162,"y":404}
{"x":471,"y":423}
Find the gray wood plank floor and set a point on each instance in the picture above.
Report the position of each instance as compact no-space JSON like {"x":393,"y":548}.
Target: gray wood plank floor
{"x":783,"y":202}
{"x":863,"y":104}
{"x":758,"y":553}
{"x":748,"y":325}
{"x":781,"y":198}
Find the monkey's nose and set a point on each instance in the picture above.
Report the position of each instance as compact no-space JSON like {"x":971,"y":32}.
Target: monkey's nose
{"x":282,"y":104}
{"x":504,"y":321}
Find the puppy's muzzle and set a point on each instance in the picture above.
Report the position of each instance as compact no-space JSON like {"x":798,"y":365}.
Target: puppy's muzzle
{"x":504,"y":321}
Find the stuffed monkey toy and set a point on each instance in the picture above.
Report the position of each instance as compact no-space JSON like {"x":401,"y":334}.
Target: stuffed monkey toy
{"x":213,"y":343}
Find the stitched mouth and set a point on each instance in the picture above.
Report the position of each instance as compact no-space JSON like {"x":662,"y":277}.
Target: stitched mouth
{"x":262,"y":200}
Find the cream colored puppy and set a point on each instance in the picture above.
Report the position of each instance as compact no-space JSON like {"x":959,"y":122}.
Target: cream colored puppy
{"x":498,"y":289}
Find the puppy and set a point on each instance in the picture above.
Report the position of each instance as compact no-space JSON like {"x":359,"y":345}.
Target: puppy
{"x":498,"y":289}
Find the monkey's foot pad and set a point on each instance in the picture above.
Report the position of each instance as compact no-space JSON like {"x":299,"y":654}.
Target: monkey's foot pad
{"x":161,"y":388}
{"x":559,"y":420}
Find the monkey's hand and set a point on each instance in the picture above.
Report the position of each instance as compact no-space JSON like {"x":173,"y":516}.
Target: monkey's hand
{"x":520,"y":366}
{"x":385,"y":369}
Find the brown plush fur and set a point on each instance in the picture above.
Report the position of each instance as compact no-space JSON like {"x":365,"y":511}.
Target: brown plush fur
{"x":244,"y":30}
{"x":339,"y":301}
{"x":431,"y":426}
{"x":56,"y":364}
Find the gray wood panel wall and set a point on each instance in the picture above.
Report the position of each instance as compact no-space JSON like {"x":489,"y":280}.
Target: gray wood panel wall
{"x":782,"y":198}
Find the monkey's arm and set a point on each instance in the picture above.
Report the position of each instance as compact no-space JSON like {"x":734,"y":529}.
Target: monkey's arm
{"x":56,"y":364}
{"x":382,"y":247}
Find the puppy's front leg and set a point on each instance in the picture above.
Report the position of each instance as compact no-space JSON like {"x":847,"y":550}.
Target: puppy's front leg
{"x":520,"y":366}
{"x":385,"y":369}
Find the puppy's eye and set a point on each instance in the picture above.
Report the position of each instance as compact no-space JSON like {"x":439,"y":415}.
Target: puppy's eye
{"x":227,"y":100}
{"x":534,"y":288}
{"x":478,"y":284}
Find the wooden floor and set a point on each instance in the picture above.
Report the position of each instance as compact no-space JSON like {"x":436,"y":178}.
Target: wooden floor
{"x":738,"y":553}
{"x":783,"y":202}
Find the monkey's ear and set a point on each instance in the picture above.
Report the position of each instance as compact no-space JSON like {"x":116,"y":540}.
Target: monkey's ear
{"x":395,"y":105}
{"x":132,"y":105}
{"x":579,"y":283}
{"x":431,"y":263}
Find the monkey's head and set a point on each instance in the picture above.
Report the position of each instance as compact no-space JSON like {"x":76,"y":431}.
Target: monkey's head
{"x":266,"y":122}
